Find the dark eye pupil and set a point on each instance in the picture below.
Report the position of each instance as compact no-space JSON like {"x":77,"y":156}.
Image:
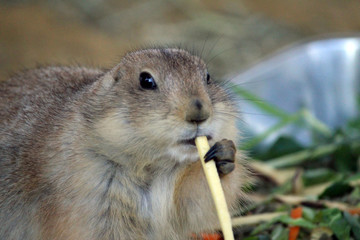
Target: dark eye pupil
{"x":208,"y":78}
{"x":147,"y":81}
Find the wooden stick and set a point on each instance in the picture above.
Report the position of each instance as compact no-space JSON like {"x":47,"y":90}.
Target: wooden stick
{"x":217,"y":192}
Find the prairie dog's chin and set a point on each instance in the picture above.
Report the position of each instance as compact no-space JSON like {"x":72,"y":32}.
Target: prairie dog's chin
{"x":183,"y":153}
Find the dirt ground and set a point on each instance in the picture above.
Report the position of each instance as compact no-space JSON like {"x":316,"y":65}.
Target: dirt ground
{"x":230,"y":34}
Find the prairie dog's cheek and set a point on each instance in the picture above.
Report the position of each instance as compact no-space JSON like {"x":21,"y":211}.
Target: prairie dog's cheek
{"x":223,"y":123}
{"x":111,"y":128}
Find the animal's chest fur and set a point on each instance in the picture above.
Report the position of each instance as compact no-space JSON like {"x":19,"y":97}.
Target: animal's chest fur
{"x":110,"y":205}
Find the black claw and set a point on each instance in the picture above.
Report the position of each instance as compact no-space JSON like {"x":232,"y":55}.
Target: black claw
{"x":213,"y":148}
{"x":210,"y":154}
{"x":210,"y":157}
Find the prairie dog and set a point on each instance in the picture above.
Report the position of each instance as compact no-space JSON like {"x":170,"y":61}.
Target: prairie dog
{"x":110,"y":154}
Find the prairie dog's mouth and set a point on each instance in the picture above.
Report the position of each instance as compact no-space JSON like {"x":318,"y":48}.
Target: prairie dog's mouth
{"x":192,"y":141}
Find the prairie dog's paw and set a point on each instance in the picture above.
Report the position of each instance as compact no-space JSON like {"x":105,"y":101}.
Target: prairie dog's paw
{"x":223,"y":153}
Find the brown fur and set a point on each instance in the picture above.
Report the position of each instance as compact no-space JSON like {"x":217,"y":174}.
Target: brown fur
{"x":88,"y":154}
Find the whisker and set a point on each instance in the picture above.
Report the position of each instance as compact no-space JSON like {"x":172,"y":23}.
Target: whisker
{"x":229,"y":81}
{"x":229,"y":87}
{"x":203,"y":47}
{"x":242,"y":112}
{"x":238,"y":98}
{"x":256,"y":114}
{"x":242,"y":83}
{"x":213,"y":46}
{"x":212,"y":58}
{"x":220,"y":113}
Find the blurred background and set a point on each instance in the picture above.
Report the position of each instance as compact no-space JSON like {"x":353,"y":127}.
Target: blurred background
{"x":234,"y":34}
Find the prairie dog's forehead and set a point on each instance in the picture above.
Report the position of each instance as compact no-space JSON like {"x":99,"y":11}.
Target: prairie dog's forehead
{"x":167,"y":58}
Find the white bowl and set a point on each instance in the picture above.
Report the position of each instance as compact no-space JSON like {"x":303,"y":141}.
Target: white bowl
{"x":321,"y":75}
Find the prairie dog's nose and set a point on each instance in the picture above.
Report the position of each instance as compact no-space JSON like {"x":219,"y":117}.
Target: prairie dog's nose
{"x":197,"y":111}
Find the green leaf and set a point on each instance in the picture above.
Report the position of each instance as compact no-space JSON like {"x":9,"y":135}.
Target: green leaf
{"x":355,"y":225}
{"x":302,"y":156}
{"x":337,"y":189}
{"x":334,"y":219}
{"x":352,"y":128}
{"x":263,"y":237}
{"x":315,"y":123}
{"x":341,"y":228}
{"x":345,"y":161}
{"x":355,"y":194}
{"x":251,"y":238}
{"x":301,"y":222}
{"x":325,"y":216}
{"x":318,"y":175}
{"x":264,"y":226}
{"x":283,"y":219}
{"x":282,"y":146}
{"x":355,"y":177}
{"x":308,"y":213}
{"x":280,"y":233}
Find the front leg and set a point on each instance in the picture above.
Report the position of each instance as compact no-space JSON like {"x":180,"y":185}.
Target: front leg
{"x":223,"y":153}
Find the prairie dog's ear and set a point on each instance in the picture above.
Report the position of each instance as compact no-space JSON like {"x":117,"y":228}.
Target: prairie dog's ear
{"x":106,"y":82}
{"x":114,"y":72}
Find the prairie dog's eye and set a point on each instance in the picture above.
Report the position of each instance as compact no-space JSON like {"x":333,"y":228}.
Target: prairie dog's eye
{"x":207,"y":78}
{"x":147,"y":81}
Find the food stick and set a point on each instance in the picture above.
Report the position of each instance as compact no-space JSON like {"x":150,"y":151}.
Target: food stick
{"x":217,"y":192}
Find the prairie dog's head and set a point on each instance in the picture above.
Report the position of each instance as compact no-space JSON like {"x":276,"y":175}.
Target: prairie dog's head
{"x":161,"y":100}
